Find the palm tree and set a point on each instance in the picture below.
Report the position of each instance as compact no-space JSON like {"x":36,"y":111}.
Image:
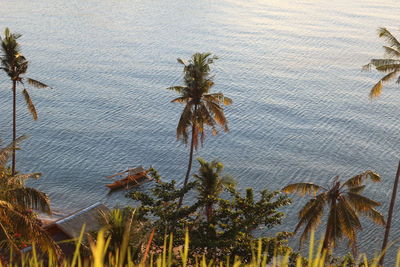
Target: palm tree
{"x":16,"y":65}
{"x":389,"y":65}
{"x":211,"y":183}
{"x":345,"y":203}
{"x":16,"y":201}
{"x":202,"y":108}
{"x":120,"y":225}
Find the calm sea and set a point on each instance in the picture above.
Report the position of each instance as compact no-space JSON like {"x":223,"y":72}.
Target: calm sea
{"x":293,"y":68}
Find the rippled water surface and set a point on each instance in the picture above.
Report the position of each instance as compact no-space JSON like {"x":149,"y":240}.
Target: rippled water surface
{"x":293,"y":68}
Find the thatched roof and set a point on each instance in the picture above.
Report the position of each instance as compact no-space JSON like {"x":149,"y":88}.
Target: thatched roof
{"x":72,"y":224}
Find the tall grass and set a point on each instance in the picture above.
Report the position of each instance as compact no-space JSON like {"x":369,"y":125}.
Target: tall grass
{"x":169,"y":256}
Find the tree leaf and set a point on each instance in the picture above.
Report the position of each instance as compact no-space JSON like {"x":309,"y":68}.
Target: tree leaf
{"x":29,"y":104}
{"x":302,"y":188}
{"x":392,"y":41}
{"x":37,"y":84}
{"x":360,"y":178}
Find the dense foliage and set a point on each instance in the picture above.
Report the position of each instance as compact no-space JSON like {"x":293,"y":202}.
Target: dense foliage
{"x":235,"y":220}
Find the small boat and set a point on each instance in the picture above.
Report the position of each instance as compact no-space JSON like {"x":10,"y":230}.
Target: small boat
{"x":134,"y":177}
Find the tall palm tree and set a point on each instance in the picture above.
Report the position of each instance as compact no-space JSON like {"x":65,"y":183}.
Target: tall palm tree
{"x":15,"y":65}
{"x":345,"y":203}
{"x":389,"y":65}
{"x":15,"y":202}
{"x":211,"y":183}
{"x":202,"y":108}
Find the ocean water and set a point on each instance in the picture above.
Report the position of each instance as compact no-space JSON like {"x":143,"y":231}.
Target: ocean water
{"x":301,"y":110}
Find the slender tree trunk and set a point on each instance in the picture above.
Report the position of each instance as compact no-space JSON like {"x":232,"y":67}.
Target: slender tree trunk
{"x":325,"y":245}
{"x":327,"y":238}
{"x":14,"y":125}
{"x":190,"y":163}
{"x":209,"y":211}
{"x":191,"y":154}
{"x":390,"y":214}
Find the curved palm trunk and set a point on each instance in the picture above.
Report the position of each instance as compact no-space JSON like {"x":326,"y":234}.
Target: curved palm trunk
{"x":14,"y":124}
{"x":191,"y":154}
{"x":390,"y":214}
{"x":190,"y":162}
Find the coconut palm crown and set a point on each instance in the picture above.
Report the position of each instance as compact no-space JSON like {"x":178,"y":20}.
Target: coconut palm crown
{"x":389,"y":65}
{"x":345,"y":204}
{"x":202,"y":108}
{"x":15,"y":65}
{"x":210,"y":184}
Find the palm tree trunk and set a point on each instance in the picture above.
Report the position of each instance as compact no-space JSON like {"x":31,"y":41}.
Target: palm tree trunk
{"x":331,"y":220}
{"x":325,"y":245}
{"x":14,"y":125}
{"x":209,"y":211}
{"x":390,"y":214}
{"x":190,"y":161}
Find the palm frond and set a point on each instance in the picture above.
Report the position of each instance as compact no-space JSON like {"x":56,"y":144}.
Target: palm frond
{"x":376,"y":90}
{"x":37,"y":84}
{"x":365,"y":206}
{"x":181,"y":61}
{"x":227,"y":101}
{"x":18,"y":181}
{"x":29,"y":198}
{"x":33,"y":175}
{"x":391,"y":52}
{"x":6,"y":152}
{"x":357,"y":189}
{"x":29,"y":104}
{"x":29,"y":228}
{"x":367,"y":67}
{"x":348,"y":219}
{"x":375,"y":216}
{"x":378,"y":63}
{"x":218,"y":113}
{"x":359,"y":202}
{"x":5,"y":233}
{"x":302,"y":188}
{"x":360,"y":178}
{"x":392,"y":41}
{"x":311,"y":215}
{"x":319,"y":200}
{"x":219,"y":97}
{"x":5,"y":205}
{"x":390,"y":76}
{"x":180,"y":100}
{"x":388,"y":68}
{"x":184,"y":122}
{"x":205,"y":116}
{"x":178,"y":89}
